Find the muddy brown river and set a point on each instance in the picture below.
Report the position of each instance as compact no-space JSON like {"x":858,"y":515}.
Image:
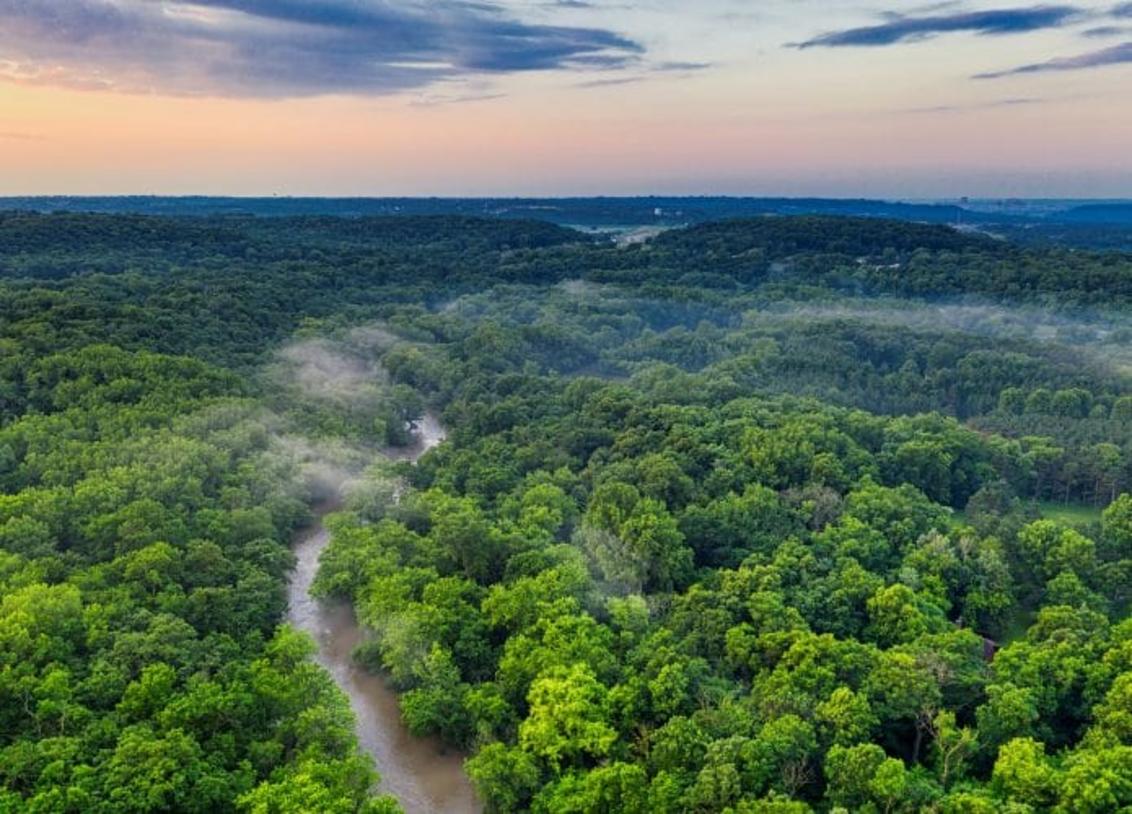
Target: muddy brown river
{"x":423,"y":775}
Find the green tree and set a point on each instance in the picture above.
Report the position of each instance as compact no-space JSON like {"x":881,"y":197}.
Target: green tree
{"x":567,"y":719}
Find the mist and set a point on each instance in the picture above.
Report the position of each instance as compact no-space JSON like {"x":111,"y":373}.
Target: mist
{"x":330,"y":396}
{"x":322,"y":369}
{"x":1104,"y":339}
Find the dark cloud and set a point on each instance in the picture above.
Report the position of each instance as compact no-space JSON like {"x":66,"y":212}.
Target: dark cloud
{"x":900,"y":28}
{"x":1102,"y":31}
{"x":278,"y":48}
{"x":1117,"y":55}
{"x":1123,"y":10}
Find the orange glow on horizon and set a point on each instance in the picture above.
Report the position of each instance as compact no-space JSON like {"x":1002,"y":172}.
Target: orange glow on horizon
{"x":731,"y":132}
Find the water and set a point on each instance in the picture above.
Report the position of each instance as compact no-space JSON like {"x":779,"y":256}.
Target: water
{"x":424,"y":776}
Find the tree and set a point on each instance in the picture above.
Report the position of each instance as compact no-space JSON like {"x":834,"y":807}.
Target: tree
{"x":895,"y":616}
{"x":566,"y":720}
{"x":889,"y":784}
{"x":849,"y":771}
{"x":952,"y":746}
{"x":1010,"y":712}
{"x":728,"y":529}
{"x":316,"y":786}
{"x":151,"y":772}
{"x":1012,"y":400}
{"x":782,"y":753}
{"x":635,"y":541}
{"x":505,"y":778}
{"x":1039,"y":402}
{"x":1096,"y":778}
{"x":1116,"y":528}
{"x":903,"y":692}
{"x":1023,"y":773}
{"x":846,"y":717}
{"x":438,"y":705}
{"x":616,"y":788}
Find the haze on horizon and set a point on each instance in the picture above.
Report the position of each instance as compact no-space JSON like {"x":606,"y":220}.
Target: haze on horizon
{"x":559,"y":97}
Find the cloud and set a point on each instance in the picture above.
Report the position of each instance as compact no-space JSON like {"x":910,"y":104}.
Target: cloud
{"x":440,"y":100}
{"x":283,"y":48}
{"x":15,"y":135}
{"x":991,"y":105}
{"x":1117,"y":55}
{"x":665,"y":70}
{"x":1102,"y":31}
{"x":900,"y":28}
{"x":1120,"y":12}
{"x":682,"y":67}
{"x":611,"y":82}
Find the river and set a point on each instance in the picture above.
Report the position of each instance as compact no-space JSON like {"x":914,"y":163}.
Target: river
{"x":425,"y":777}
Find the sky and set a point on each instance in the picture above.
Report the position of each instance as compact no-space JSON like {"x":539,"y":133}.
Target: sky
{"x":841,"y":98}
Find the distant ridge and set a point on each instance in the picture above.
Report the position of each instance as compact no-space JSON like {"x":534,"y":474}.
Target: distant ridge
{"x":1108,"y":213}
{"x":1081,"y":223}
{"x":581,"y":211}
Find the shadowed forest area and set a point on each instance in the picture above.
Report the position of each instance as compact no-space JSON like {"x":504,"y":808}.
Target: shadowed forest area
{"x":777,"y":514}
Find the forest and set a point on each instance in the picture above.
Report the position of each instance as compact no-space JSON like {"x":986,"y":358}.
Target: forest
{"x":774,"y":514}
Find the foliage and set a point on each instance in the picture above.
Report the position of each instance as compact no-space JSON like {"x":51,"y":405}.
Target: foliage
{"x":694,"y":543}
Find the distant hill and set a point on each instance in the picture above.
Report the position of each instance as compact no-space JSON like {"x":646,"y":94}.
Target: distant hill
{"x":594,"y":211}
{"x":1107,"y":213}
{"x":778,"y":237}
{"x":1083,"y":224}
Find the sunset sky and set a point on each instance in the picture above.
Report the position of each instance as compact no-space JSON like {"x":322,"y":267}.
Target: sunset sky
{"x":537,"y":97}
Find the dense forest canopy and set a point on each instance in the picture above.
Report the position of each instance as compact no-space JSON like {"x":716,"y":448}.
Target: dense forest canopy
{"x":773,"y":514}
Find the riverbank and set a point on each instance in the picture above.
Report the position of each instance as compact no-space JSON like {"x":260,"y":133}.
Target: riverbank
{"x":421,"y":773}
